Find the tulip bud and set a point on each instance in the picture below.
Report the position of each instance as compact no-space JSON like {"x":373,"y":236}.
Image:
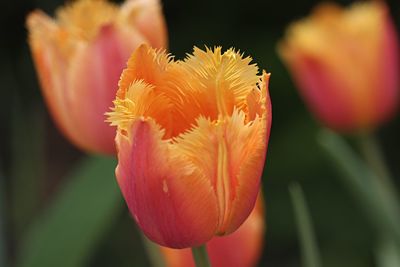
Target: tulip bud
{"x":346,"y":64}
{"x":191,"y":138}
{"x":79,"y":57}
{"x":240,"y":249}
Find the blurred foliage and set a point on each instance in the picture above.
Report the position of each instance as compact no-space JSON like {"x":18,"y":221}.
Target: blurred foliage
{"x":377,"y":199}
{"x":36,"y":158}
{"x":77,"y":218}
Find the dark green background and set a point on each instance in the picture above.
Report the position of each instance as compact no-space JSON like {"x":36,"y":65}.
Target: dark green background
{"x":35,"y":157}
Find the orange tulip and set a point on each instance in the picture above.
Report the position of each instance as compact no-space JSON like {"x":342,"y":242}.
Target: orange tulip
{"x":240,"y":249}
{"x":79,"y":58}
{"x":191,"y":138}
{"x":346,"y":64}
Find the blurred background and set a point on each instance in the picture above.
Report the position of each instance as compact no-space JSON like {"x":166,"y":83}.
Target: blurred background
{"x":36,"y":161}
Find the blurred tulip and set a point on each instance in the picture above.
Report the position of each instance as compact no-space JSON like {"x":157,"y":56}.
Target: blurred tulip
{"x":79,"y":58}
{"x":192,"y":137}
{"x":240,"y":249}
{"x":346,"y":64}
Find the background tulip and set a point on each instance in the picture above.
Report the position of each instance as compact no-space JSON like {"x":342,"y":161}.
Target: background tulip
{"x":346,"y":64}
{"x":79,"y":57}
{"x":240,"y":249}
{"x":192,"y":137}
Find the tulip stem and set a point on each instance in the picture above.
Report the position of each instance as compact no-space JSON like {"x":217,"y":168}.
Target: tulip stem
{"x":373,"y":155}
{"x":374,"y":158}
{"x":200,"y":256}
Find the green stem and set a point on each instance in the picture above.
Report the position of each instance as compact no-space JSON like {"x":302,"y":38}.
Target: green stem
{"x":200,"y":256}
{"x":388,"y":254}
{"x":153,"y":252}
{"x":374,"y":158}
{"x":309,"y":249}
{"x":372,"y":153}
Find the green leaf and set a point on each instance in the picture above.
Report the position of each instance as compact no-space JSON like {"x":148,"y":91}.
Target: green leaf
{"x":309,"y":249}
{"x":377,"y":201}
{"x":68,"y":231}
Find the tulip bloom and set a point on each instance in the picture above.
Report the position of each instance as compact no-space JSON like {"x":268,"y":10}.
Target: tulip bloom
{"x":346,"y":64}
{"x":240,"y":249}
{"x":191,"y":138}
{"x":79,"y":57}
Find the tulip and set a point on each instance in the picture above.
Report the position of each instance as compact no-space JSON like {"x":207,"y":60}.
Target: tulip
{"x":240,"y":249}
{"x":191,"y":138}
{"x":79,"y":57}
{"x":346,"y":64}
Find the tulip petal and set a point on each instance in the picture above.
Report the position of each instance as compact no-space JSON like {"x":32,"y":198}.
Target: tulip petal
{"x":144,"y":64}
{"x":232,"y":157}
{"x":319,"y":88}
{"x":52,"y":64}
{"x":171,"y":200}
{"x":103,"y":60}
{"x":141,"y":100}
{"x":388,"y":100}
{"x":243,"y":247}
{"x":240,"y":249}
{"x":168,"y":79}
{"x":224,"y":79}
{"x":84,"y":19}
{"x":146,"y":16}
{"x":252,"y":147}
